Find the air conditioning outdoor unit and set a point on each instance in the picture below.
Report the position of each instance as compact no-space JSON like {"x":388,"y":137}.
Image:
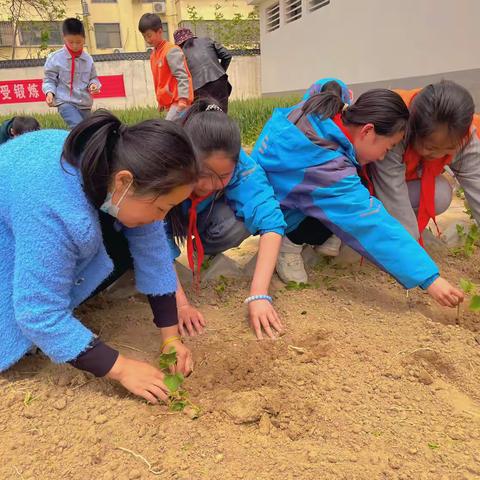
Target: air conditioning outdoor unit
{"x":159,"y":7}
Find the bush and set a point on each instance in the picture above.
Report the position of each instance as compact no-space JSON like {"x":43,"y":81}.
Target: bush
{"x":251,"y":115}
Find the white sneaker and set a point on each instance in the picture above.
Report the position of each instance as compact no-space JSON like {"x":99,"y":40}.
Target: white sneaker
{"x":290,"y":266}
{"x":330,"y":248}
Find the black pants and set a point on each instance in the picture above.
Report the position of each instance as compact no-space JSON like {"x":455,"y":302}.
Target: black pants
{"x":311,"y":231}
{"x":219,"y":90}
{"x":117,"y":248}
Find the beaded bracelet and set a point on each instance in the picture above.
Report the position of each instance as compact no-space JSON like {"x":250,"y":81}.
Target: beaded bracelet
{"x":253,"y":298}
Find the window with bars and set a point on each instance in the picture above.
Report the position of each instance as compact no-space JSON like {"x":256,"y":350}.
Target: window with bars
{"x":107,"y":35}
{"x":293,"y":10}
{"x":40,"y":33}
{"x":316,"y":4}
{"x":6,"y":34}
{"x":272,"y":14}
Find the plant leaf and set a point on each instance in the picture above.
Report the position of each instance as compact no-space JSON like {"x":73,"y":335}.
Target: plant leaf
{"x":166,"y":360}
{"x":173,"y":382}
{"x":475,"y":303}
{"x":467,"y":286}
{"x":177,"y":405}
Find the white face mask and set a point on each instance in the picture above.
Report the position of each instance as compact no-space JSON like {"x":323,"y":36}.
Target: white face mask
{"x":109,"y":207}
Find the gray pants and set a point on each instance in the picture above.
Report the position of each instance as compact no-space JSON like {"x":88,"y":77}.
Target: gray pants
{"x":219,"y":229}
{"x":443,"y":194}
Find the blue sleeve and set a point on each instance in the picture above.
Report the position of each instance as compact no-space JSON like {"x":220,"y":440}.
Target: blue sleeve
{"x":253,"y":200}
{"x":45,"y":261}
{"x":362,"y":222}
{"x":152,"y":259}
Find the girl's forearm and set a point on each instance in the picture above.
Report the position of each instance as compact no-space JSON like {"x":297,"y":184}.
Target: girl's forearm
{"x":268,"y":250}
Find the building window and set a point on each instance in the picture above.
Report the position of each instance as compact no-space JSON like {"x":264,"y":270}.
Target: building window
{"x":316,"y":4}
{"x":272,"y":14}
{"x":6,"y":34}
{"x":107,"y":35}
{"x":40,"y":33}
{"x":293,"y":10}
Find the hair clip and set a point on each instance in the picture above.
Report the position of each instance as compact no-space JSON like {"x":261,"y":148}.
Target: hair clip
{"x":344,"y":108}
{"x":213,"y":107}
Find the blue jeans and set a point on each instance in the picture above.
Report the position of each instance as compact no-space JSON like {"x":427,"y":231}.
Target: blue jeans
{"x":72,"y":115}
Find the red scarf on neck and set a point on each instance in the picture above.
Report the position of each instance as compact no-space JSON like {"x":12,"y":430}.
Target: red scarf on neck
{"x":74,"y":55}
{"x":194,"y":242}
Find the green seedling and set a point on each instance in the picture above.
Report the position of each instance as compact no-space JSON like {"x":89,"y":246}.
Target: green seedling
{"x":469,"y":240}
{"x":28,"y":399}
{"x":433,"y":445}
{"x":177,"y":397}
{"x":469,"y":288}
{"x":221,"y":285}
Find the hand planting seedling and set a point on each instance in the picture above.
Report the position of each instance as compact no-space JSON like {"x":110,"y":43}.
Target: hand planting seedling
{"x":177,"y":397}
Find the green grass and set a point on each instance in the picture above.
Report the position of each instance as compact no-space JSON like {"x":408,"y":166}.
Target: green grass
{"x":251,"y":115}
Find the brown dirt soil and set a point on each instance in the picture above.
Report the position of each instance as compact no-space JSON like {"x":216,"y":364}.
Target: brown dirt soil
{"x":379,"y":386}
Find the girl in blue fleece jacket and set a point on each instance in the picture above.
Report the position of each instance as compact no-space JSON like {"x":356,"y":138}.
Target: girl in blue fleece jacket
{"x":231,"y":201}
{"x":312,"y":154}
{"x":75,"y":212}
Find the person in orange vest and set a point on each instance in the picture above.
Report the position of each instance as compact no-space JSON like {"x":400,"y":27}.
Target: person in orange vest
{"x":171,"y":77}
{"x":441,"y":132}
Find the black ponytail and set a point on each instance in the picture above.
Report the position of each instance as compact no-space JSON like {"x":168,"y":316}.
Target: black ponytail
{"x":444,"y":103}
{"x":383,"y":108}
{"x":158,"y":153}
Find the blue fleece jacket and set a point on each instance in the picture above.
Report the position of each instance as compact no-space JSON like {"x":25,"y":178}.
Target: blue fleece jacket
{"x":313,"y":169}
{"x":52,"y":255}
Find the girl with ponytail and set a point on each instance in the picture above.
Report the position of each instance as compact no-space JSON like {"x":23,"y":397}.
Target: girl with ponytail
{"x":231,"y":200}
{"x":76,"y":212}
{"x":313,"y":154}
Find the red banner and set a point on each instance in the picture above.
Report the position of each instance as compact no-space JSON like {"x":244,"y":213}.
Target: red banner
{"x":27,"y":91}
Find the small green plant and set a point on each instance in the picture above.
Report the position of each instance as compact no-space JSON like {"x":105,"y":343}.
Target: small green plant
{"x":178,"y":398}
{"x":433,"y":445}
{"x":297,"y":286}
{"x":221,"y":285}
{"x":469,"y":240}
{"x":28,"y":399}
{"x":471,"y":289}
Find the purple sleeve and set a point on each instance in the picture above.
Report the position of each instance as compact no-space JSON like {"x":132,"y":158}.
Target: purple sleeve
{"x":164,"y":308}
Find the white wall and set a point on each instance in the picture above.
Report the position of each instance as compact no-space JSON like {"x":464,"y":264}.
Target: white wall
{"x":363,"y":41}
{"x":244,"y":75}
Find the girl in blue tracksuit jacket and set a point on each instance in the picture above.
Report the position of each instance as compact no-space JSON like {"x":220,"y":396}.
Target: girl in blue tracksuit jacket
{"x":312,"y":153}
{"x":231,"y":201}
{"x":75,"y":212}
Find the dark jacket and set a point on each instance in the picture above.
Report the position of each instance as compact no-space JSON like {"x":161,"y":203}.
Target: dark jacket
{"x":207,"y":60}
{"x":5,"y":128}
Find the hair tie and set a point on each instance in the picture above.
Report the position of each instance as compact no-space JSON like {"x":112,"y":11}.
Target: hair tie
{"x":213,"y":107}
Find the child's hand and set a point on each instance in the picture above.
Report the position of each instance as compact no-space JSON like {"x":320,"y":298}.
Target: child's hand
{"x":444,"y":293}
{"x":140,"y":378}
{"x":190,"y":321}
{"x":182,"y":104}
{"x":184,"y":363}
{"x":49,"y":99}
{"x":262,"y":315}
{"x":93,"y":89}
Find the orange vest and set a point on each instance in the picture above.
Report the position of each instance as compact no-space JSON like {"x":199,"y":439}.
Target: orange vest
{"x":430,"y":169}
{"x":166,"y":85}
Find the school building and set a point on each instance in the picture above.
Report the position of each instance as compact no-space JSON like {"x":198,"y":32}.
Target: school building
{"x":368,"y":43}
{"x":112,"y":25}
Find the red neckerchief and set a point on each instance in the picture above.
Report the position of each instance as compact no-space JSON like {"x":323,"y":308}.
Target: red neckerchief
{"x":194,"y":242}
{"x":74,"y":55}
{"x":337,"y":120}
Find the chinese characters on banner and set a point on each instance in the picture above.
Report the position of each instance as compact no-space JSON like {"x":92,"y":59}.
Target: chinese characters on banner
{"x":27,"y":91}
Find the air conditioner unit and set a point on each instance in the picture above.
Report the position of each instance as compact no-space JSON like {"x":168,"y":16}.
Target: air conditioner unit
{"x":118,"y":50}
{"x":159,"y":7}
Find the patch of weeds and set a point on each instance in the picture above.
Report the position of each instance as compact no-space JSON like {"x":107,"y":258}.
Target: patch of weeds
{"x":460,"y":193}
{"x":177,"y":398}
{"x":322,"y":263}
{"x":297,"y":286}
{"x":433,"y":445}
{"x":28,"y":399}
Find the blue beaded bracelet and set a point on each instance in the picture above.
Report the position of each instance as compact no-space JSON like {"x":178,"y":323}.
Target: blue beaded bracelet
{"x":257,"y":297}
